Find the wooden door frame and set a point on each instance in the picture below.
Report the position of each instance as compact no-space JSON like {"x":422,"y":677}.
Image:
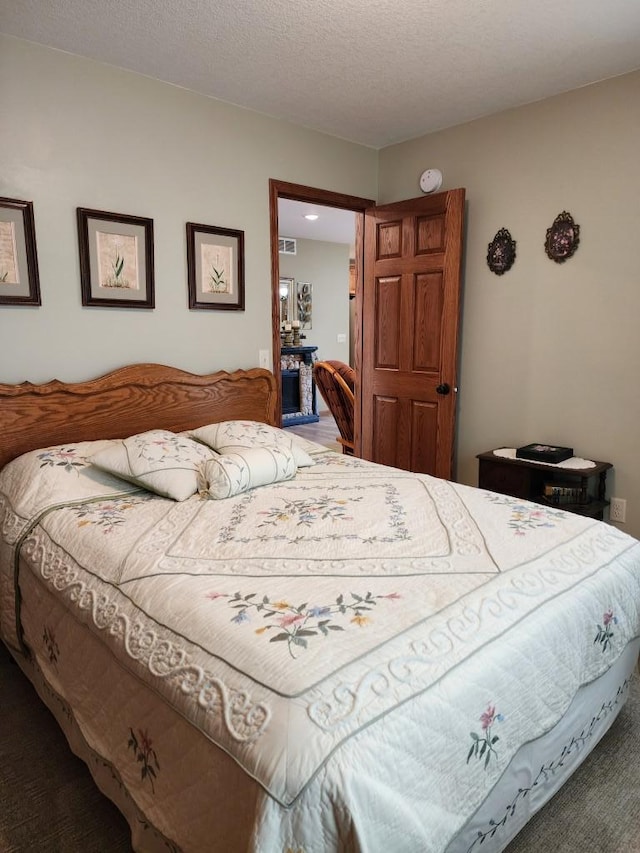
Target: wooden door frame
{"x":299,"y":192}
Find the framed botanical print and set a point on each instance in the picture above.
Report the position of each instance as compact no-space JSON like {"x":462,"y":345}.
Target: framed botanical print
{"x":19,"y":278}
{"x":215,"y":267}
{"x":116,"y":259}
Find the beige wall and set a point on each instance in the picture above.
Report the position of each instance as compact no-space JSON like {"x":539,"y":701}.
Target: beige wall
{"x":550,"y":352}
{"x":326,"y":266}
{"x":76,"y":133}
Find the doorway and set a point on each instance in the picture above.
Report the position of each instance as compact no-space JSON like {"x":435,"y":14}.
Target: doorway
{"x":310,"y":195}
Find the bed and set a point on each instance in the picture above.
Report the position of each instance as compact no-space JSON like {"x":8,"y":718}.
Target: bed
{"x":345,"y":657}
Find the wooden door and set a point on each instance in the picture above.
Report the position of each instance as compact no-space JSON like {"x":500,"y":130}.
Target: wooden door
{"x":411,"y":310}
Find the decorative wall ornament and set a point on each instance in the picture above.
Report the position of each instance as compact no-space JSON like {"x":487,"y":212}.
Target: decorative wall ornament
{"x":502,"y":252}
{"x":562,"y":238}
{"x":304,"y":303}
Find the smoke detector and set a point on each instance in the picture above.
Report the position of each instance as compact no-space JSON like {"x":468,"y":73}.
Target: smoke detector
{"x":430,"y":180}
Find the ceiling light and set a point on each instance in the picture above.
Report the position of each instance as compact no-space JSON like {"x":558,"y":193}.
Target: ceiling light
{"x":311,"y":216}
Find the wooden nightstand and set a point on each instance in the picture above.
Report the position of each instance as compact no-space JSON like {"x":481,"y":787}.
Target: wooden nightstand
{"x":521,"y":478}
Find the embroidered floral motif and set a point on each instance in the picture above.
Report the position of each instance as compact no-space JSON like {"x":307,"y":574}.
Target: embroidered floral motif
{"x":64,"y":457}
{"x":483,"y":746}
{"x":49,"y":639}
{"x":299,"y":623}
{"x":527,"y":516}
{"x":145,"y":754}
{"x":307,"y":511}
{"x":341,"y":460}
{"x":106,"y":514}
{"x":303,"y":508}
{"x":162,"y":445}
{"x":605,"y":632}
{"x":553,"y":768}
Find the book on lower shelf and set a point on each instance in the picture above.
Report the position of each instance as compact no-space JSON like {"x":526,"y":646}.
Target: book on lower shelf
{"x":560,"y":493}
{"x":544,"y":453}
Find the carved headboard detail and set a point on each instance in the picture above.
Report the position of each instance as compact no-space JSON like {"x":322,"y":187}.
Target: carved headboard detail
{"x":129,"y":400}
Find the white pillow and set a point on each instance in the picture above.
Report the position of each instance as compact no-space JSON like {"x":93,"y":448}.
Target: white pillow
{"x":235,"y":472}
{"x":229,"y":436}
{"x":158,"y":460}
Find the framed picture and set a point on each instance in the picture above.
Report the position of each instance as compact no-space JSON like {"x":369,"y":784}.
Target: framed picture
{"x":19,"y":279}
{"x":215,"y":267}
{"x":116,"y":259}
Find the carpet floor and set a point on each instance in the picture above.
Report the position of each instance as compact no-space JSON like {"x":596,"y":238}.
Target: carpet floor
{"x":49,"y":803}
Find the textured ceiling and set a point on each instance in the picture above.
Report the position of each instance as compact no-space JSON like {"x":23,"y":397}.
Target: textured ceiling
{"x":371,"y":71}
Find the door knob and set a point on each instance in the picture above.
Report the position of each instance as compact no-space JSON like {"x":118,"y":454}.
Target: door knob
{"x":443,"y":389}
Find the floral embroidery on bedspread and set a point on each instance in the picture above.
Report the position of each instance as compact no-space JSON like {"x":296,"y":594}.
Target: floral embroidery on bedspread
{"x":107,"y":513}
{"x":526,"y":516}
{"x":49,"y":639}
{"x":482,"y":746}
{"x":315,"y":509}
{"x":307,"y":511}
{"x":331,"y":457}
{"x":605,"y":631}
{"x":299,"y":623}
{"x":142,"y":747}
{"x":64,"y":457}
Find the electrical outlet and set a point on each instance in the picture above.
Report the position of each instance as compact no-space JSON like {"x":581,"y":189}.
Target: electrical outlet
{"x":618,"y":510}
{"x":263,"y":358}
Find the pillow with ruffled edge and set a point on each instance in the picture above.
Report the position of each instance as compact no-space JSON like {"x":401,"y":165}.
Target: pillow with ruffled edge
{"x":236,"y":472}
{"x":229,"y":436}
{"x":158,"y":460}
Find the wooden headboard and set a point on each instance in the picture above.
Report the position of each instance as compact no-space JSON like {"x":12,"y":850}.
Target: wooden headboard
{"x":127,"y":401}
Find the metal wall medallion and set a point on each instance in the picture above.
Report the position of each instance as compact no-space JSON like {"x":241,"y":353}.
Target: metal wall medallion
{"x":562,"y":238}
{"x":502,"y":252}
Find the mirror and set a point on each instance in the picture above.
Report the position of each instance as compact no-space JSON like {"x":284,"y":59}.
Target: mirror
{"x":296,"y":302}
{"x":287,"y":286}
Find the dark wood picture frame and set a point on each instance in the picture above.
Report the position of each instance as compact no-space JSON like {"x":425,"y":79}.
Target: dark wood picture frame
{"x":19,"y":276}
{"x":116,"y":257}
{"x":215,"y":267}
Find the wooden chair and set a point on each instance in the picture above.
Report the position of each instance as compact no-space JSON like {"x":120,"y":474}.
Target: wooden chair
{"x":336,"y":382}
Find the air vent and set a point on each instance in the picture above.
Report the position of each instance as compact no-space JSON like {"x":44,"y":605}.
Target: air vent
{"x":286,"y":245}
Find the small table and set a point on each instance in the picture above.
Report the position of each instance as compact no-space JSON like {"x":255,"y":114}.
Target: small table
{"x":522,"y":478}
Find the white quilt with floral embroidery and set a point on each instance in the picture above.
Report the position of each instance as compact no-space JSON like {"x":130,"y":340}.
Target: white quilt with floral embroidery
{"x":356,"y":635}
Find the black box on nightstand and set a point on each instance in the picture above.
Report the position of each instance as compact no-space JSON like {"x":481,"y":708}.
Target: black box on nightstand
{"x":544,"y":453}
